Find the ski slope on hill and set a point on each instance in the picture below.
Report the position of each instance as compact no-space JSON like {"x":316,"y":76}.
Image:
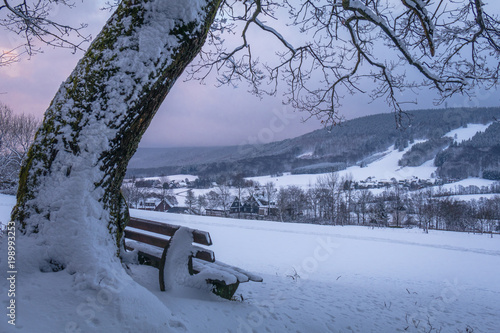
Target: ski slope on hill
{"x":466,"y":133}
{"x":385,"y":167}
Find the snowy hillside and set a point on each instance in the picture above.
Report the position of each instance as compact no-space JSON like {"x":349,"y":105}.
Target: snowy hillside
{"x":382,"y":168}
{"x":349,"y":143}
{"x":466,"y":133}
{"x":385,"y":167}
{"x":316,"y":279}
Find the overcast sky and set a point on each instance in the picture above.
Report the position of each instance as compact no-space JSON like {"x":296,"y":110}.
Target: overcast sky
{"x":192,"y":114}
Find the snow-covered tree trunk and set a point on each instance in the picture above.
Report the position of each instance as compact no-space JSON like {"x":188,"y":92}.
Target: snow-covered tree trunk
{"x":69,"y":193}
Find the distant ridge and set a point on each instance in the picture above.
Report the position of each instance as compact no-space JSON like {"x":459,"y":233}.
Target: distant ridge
{"x":160,"y":157}
{"x":348,"y":144}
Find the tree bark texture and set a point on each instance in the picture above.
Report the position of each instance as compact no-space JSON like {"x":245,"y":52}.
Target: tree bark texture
{"x":74,"y":170}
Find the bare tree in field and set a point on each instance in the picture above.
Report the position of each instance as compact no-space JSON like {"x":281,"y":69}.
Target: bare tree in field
{"x":363,"y":204}
{"x":331,"y":186}
{"x":16,"y":135}
{"x":95,"y":121}
{"x":190,"y":200}
{"x":397,"y":204}
{"x":224,"y":197}
{"x":313,"y":196}
{"x":201,"y":203}
{"x":269,"y":194}
{"x":213,"y":199}
{"x":347,"y":189}
{"x":132,"y":194}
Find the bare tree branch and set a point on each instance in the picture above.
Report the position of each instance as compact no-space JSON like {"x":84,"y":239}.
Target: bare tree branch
{"x":9,"y":57}
{"x":337,"y":46}
{"x":30,"y":20}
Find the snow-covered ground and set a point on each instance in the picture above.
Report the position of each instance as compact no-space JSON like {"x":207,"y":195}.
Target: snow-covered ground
{"x":479,"y":182}
{"x":466,"y":133}
{"x":6,"y":204}
{"x":177,"y":178}
{"x":316,"y":279}
{"x":383,"y":169}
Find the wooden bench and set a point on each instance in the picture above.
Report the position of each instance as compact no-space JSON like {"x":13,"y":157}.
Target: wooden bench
{"x":152,"y":241}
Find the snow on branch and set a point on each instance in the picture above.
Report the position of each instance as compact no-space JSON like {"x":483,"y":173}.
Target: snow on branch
{"x":329,"y":48}
{"x":418,"y":7}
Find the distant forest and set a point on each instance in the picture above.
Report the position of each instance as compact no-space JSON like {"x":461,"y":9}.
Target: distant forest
{"x":477,"y":157}
{"x":352,"y":142}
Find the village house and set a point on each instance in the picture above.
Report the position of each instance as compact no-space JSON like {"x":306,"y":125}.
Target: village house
{"x":163,"y":206}
{"x":236,"y":206}
{"x":155,"y":204}
{"x":253,"y":205}
{"x":147,"y":204}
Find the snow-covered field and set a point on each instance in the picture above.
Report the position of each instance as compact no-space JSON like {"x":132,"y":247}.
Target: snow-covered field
{"x":316,"y":279}
{"x":465,"y":133}
{"x":479,"y":182}
{"x":176,"y":178}
{"x":6,"y":204}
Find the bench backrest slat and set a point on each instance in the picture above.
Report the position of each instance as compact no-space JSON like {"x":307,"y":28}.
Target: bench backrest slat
{"x":200,"y":237}
{"x":148,"y":239}
{"x":201,"y":253}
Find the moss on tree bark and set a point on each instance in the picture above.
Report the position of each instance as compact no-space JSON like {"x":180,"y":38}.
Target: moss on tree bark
{"x":86,"y":99}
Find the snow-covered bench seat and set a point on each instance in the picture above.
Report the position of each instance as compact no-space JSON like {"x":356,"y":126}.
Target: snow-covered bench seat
{"x":152,"y":240}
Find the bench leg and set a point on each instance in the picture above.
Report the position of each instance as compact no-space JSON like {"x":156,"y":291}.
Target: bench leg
{"x":161,"y":268}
